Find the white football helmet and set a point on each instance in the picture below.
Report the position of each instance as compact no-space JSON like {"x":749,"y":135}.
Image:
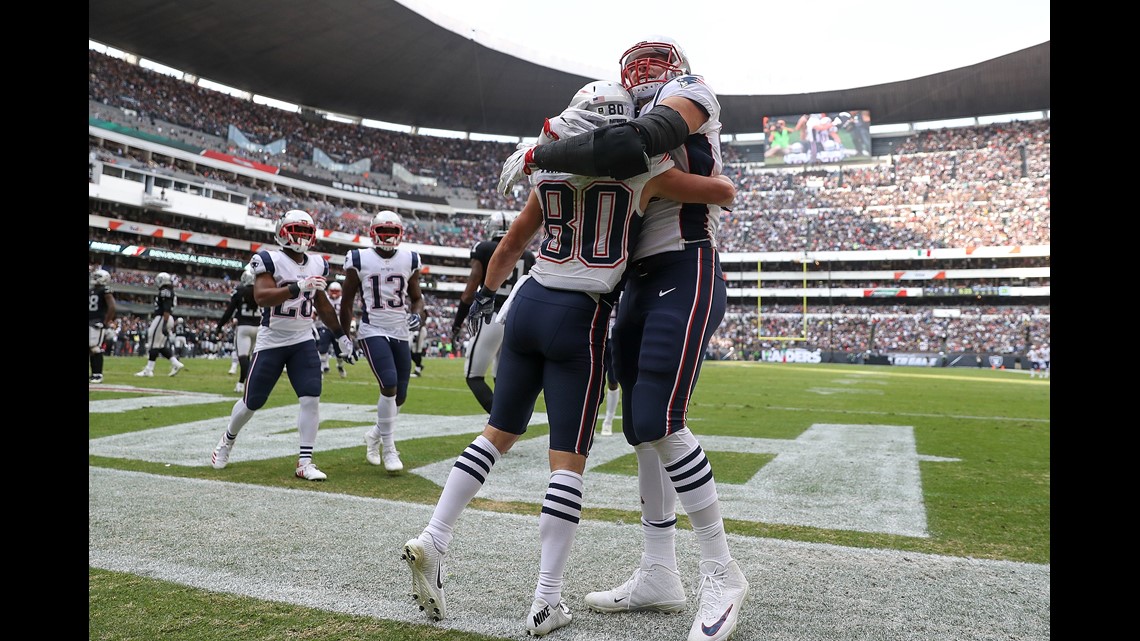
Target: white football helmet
{"x":605,"y":97}
{"x":334,"y":288}
{"x":296,"y":230}
{"x":651,"y":63}
{"x":180,"y":320}
{"x":499,"y":222}
{"x":101,"y":277}
{"x":247,"y":276}
{"x":163,"y":279}
{"x":387,"y":230}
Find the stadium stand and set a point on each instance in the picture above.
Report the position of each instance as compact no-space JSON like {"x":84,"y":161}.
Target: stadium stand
{"x":934,"y":252}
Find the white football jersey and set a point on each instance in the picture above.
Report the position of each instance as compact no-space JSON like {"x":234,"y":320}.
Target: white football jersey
{"x":589,"y":227}
{"x":289,"y":322}
{"x":665,"y":228}
{"x":383,"y":290}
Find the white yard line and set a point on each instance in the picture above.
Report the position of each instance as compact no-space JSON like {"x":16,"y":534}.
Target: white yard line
{"x":341,"y":553}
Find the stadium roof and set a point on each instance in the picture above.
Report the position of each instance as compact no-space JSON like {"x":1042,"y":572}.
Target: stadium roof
{"x":383,"y":61}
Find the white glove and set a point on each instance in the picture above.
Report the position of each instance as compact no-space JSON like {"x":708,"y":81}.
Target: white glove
{"x":520,"y":164}
{"x":347,"y":351}
{"x":546,"y":135}
{"x":313,"y":284}
{"x":414,"y":322}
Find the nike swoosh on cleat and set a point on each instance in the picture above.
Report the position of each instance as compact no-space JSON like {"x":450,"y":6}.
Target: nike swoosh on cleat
{"x":620,"y":600}
{"x":439,"y":580}
{"x":665,"y":291}
{"x":710,"y":630}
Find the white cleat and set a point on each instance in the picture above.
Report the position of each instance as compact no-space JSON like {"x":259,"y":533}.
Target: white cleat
{"x":145,"y":373}
{"x":656,"y":589}
{"x":392,"y":461}
{"x":372,"y":450}
{"x":175,"y":369}
{"x":722,"y":592}
{"x":607,"y":428}
{"x":309,"y":472}
{"x":221,"y":454}
{"x":426,"y":564}
{"x":544,"y":619}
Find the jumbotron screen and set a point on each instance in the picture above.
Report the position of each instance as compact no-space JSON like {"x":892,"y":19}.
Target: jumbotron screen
{"x":811,"y":139}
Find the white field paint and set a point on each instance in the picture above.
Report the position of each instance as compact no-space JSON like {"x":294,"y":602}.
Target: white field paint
{"x":341,"y":553}
{"x":864,"y":478}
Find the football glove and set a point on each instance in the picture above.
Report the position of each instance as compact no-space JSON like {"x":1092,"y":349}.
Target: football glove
{"x":98,"y":325}
{"x":347,"y":350}
{"x":519,"y":164}
{"x":313,"y":284}
{"x":455,"y":335}
{"x":482,"y":310}
{"x":414,"y":322}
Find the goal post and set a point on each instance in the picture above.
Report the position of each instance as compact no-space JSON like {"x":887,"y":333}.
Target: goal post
{"x":760,"y":314}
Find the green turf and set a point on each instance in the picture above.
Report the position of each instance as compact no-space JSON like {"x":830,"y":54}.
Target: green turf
{"x":993,"y":503}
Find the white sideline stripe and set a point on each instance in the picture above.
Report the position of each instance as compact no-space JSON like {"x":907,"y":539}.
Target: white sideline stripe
{"x":863,"y":478}
{"x":341,"y":553}
{"x":1018,"y":419}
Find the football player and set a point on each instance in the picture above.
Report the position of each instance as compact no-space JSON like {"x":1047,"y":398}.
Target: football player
{"x":387,"y":280}
{"x":325,"y":342}
{"x":674,"y":299}
{"x":483,"y":353}
{"x":242,"y":308}
{"x":100,"y":313}
{"x":160,"y":334}
{"x":289,"y":285}
{"x":555,"y":339}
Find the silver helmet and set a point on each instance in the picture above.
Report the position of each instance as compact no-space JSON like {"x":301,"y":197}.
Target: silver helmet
{"x":499,"y":222}
{"x":606,"y":98}
{"x":387,"y":230}
{"x":296,"y":230}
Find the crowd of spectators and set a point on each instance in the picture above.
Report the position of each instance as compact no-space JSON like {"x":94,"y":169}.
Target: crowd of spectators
{"x":981,"y":185}
{"x":961,"y":187}
{"x":856,"y":329}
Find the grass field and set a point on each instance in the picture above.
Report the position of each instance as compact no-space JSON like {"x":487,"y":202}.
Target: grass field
{"x":980,"y":441}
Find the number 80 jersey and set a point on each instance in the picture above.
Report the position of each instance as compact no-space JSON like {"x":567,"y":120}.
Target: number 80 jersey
{"x":591,"y":226}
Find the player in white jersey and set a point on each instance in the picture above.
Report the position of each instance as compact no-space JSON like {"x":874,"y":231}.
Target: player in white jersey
{"x":326,"y":345}
{"x":386,"y":279}
{"x":554,"y":342}
{"x":1038,"y":356}
{"x":674,"y":299}
{"x":289,"y":285}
